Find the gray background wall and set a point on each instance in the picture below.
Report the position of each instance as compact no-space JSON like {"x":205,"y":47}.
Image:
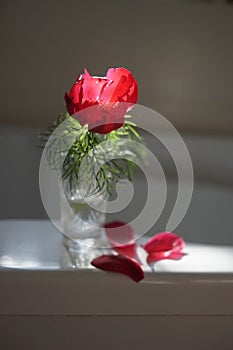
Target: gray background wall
{"x":180,"y":52}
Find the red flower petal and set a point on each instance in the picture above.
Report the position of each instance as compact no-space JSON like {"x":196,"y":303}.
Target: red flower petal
{"x":164,"y":241}
{"x":69,"y":104}
{"x":121,"y":264}
{"x":101,"y":119}
{"x":121,"y":238}
{"x":122,"y":86}
{"x":164,"y":255}
{"x":92,"y":87}
{"x":164,"y":245}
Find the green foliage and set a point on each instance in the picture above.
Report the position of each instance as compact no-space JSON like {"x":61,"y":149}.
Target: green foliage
{"x":68,"y":145}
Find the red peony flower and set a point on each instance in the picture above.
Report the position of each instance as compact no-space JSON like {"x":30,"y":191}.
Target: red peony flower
{"x":164,"y":245}
{"x":110,"y":98}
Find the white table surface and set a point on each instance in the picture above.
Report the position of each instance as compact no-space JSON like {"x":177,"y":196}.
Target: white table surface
{"x":37,"y":244}
{"x":36,"y":279}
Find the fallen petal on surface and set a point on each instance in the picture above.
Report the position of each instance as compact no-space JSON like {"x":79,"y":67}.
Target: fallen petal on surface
{"x":120,"y":264}
{"x":164,"y":241}
{"x":120,"y":236}
{"x":161,"y":256}
{"x":164,"y":245}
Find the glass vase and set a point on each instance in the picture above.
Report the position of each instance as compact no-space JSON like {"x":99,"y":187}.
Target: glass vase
{"x":82,"y":226}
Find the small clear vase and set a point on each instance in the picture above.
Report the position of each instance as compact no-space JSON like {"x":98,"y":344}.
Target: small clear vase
{"x":82,"y":226}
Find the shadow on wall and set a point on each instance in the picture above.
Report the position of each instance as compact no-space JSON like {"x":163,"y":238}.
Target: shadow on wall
{"x":180,"y":52}
{"x":19,"y":176}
